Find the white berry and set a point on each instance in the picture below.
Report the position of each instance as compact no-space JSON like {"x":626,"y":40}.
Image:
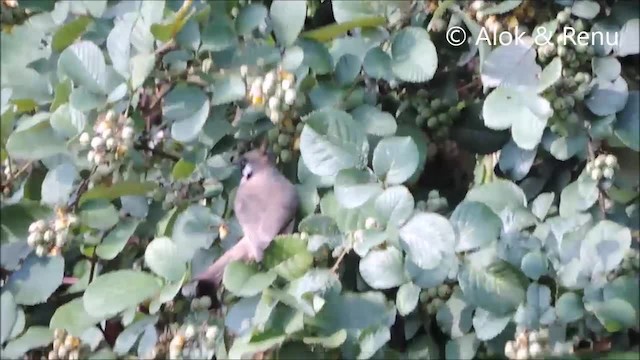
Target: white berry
{"x":59,"y":225}
{"x":91,"y":155}
{"x":535,"y":350}
{"x":48,"y":236}
{"x":290,"y":96}
{"x":32,"y":239}
{"x":608,"y":173}
{"x":189,"y":332}
{"x":243,"y":70}
{"x":211,"y":333}
{"x":274,"y":102}
{"x":85,"y":138}
{"x":97,"y":142}
{"x":110,"y":143}
{"x":522,"y":354}
{"x":127,"y":132}
{"x":286,"y":84}
{"x":611,"y":160}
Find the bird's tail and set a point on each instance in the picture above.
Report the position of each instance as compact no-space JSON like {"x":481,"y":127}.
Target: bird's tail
{"x":213,"y":274}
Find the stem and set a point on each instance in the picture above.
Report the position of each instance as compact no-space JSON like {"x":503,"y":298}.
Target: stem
{"x":157,"y":152}
{"x":344,"y":252}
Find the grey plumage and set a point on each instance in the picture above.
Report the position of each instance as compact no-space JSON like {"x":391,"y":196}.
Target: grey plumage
{"x":265,"y":206}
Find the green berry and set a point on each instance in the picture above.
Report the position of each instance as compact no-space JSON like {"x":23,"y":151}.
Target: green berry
{"x":562,"y":17}
{"x":437,"y":302}
{"x":432,"y":292}
{"x":454,"y":112}
{"x":284,"y":140}
{"x":559,"y":104}
{"x":443,"y":119}
{"x":285,"y":155}
{"x":276,"y":149}
{"x":569,"y":101}
{"x":562,"y":51}
{"x":426,"y":112}
{"x":443,"y":291}
{"x":421,"y":120}
{"x":573,"y":118}
{"x":432,"y":122}
{"x":273,"y":134}
{"x":436,"y":104}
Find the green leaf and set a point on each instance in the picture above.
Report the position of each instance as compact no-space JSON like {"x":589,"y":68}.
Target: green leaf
{"x":454,"y":317}
{"x":227,"y":89}
{"x":352,"y":311}
{"x":36,"y":279}
{"x":607,"y":97}
{"x":347,"y":69}
{"x":628,"y":40}
{"x":614,"y":314}
{"x":129,"y":336}
{"x":372,"y":341}
{"x":395,"y":205}
{"x":462,"y":348}
{"x":577,"y":197}
{"x":292,"y":58}
{"x":498,"y":195}
{"x":587,"y":9}
{"x":606,"y":68}
{"x":328,"y":342}
{"x":413,"y":55}
{"x":160,"y":257}
{"x":218,"y":36}
{"x":9,"y":311}
{"x":331,"y":141}
{"x":534,"y":265}
{"x":195,"y":228}
{"x":73,"y":318}
{"x":117,"y":291}
{"x":316,"y":56}
{"x":512,"y":66}
{"x":377,"y":64}
{"x":374,"y":121}
{"x":488,"y":325}
{"x":250,"y":17}
{"x":569,"y":307}
{"x":355,"y":187}
{"x":604,"y":246}
{"x":541,"y":205}
{"x":57,"y":185}
{"x":498,"y":288}
{"x":244,"y":280}
{"x":502,"y":7}
{"x":288,"y":256}
{"x":69,"y":32}
{"x":98,"y":214}
{"x":383,"y":269}
{"x":627,"y":124}
{"x":287,"y":19}
{"x":35,"y":142}
{"x":141,"y":67}
{"x":182,"y":169}
{"x":524,"y":111}
{"x":68,"y":121}
{"x":475,"y":224}
{"x":187,"y":107}
{"x":84,"y":63}
{"x":116,"y":190}
{"x":427,"y":238}
{"x":407,"y":298}
{"x":35,"y":337}
{"x":395,"y":159}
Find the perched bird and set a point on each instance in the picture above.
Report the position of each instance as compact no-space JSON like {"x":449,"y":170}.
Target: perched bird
{"x":265,"y":205}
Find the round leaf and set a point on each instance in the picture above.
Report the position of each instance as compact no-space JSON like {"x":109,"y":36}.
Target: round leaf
{"x":375,"y":121}
{"x":9,"y":311}
{"x":569,"y":307}
{"x":287,"y":19}
{"x":84,"y":63}
{"x":395,"y":205}
{"x":73,"y":318}
{"x":383,"y":269}
{"x":426,"y":238}
{"x":604,"y":246}
{"x":57,"y":186}
{"x":98,"y":214}
{"x":347,"y":69}
{"x":475,"y":224}
{"x":395,"y":159}
{"x":244,"y":280}
{"x":355,"y":187}
{"x":377,"y":64}
{"x":627,"y":125}
{"x":498,"y":195}
{"x":36,"y":279}
{"x":331,"y":141}
{"x":413,"y":55}
{"x":488,"y":325}
{"x":534,"y":265}
{"x":250,"y":17}
{"x":160,"y":257}
{"x":117,"y":291}
{"x":407,"y":298}
{"x":628,"y":42}
{"x":607,"y":97}
{"x":288,"y":256}
{"x":511,"y":66}
{"x":195,"y":228}
{"x":454,"y":317}
{"x":606,"y":68}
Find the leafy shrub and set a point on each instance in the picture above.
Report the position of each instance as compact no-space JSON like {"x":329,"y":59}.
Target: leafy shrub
{"x":456,"y":201}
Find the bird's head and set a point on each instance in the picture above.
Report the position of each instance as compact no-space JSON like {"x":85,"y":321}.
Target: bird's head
{"x":256,"y":160}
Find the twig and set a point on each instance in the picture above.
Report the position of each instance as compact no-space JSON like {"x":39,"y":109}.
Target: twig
{"x":84,"y":186}
{"x":165,"y":48}
{"x":344,"y":252}
{"x":157,"y":152}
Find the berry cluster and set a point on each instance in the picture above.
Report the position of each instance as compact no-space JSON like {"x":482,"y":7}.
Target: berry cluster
{"x":179,"y":345}
{"x":603,"y":166}
{"x":436,"y":114}
{"x":111,"y":140}
{"x":433,"y":298}
{"x":434,"y":203}
{"x":535,"y":345}
{"x":285,"y":139}
{"x":67,"y":347}
{"x":574,"y":54}
{"x":178,"y":193}
{"x":563,"y":97}
{"x":201,"y":303}
{"x":49,"y":237}
{"x":497,"y":24}
{"x":276,"y":93}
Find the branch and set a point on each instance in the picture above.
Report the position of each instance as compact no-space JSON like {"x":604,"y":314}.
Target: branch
{"x":84,"y":186}
{"x":154,"y":151}
{"x":344,"y":252}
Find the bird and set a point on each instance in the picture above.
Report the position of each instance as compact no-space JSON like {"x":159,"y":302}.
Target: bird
{"x":265,"y":204}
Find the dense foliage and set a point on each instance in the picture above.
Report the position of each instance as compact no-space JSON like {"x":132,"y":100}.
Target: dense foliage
{"x":458,"y":201}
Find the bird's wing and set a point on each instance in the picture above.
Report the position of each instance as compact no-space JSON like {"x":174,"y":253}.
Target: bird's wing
{"x":265,"y":207}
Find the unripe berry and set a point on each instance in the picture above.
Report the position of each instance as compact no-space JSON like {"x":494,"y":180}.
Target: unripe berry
{"x":432,"y":122}
{"x":432,"y":292}
{"x":443,"y":291}
{"x":205,"y":302}
{"x":284,"y":140}
{"x":285,"y":155}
